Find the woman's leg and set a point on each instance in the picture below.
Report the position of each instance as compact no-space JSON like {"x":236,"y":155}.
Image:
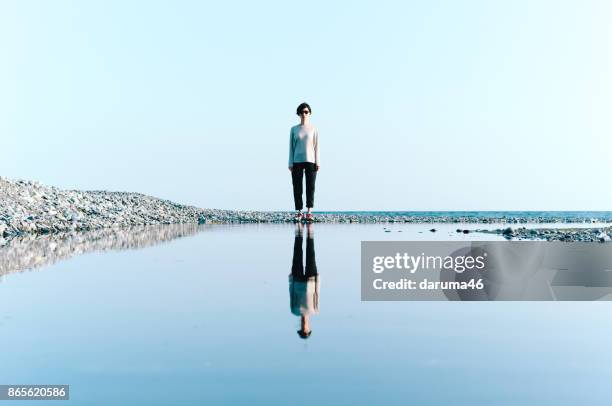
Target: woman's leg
{"x":296,"y":178}
{"x":297,"y":266}
{"x":311,"y":176}
{"x":311,"y":263}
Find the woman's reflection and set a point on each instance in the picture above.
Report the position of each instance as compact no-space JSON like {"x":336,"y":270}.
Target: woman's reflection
{"x":304,"y":283}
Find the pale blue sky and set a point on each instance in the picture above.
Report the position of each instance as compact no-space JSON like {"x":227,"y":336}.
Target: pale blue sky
{"x":438,"y":105}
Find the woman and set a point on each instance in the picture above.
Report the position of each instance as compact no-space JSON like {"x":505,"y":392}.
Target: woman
{"x":304,"y":158}
{"x":304,"y":283}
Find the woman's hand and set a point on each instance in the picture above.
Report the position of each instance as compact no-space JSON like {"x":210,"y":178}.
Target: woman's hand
{"x":318,"y":166}
{"x":290,"y":168}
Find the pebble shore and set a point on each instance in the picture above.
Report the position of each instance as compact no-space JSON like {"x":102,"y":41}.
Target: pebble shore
{"x":601,"y":234}
{"x":28,"y":207}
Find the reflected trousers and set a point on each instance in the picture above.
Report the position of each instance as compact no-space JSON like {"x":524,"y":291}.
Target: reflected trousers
{"x":299,"y":169}
{"x":298,"y":271}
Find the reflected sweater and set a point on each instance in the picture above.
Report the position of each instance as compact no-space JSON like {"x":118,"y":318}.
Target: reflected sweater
{"x":304,"y":144}
{"x":304,"y":295}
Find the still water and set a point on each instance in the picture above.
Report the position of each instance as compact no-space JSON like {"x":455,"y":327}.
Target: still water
{"x":203,"y":315}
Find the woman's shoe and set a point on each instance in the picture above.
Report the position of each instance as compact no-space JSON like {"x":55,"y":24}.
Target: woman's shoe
{"x":298,"y":216}
{"x":309,"y":217}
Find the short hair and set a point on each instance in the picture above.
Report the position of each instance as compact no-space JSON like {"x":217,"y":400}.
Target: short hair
{"x":301,"y":107}
{"x":303,"y":334}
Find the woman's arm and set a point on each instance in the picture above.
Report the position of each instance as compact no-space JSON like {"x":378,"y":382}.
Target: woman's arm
{"x":316,"y":148}
{"x":291,"y":148}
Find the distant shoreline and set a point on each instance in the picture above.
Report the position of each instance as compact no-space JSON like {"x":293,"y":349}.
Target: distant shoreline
{"x":28,"y":207}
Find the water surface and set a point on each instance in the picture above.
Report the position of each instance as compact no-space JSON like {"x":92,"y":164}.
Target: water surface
{"x":201,"y":315}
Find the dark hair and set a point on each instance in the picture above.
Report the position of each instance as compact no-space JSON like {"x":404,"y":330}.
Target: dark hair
{"x":301,"y":107}
{"x":304,"y":335}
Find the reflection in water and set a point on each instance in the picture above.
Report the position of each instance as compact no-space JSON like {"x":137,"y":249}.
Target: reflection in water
{"x":540,"y":270}
{"x":304,"y":282}
{"x":509,"y":274}
{"x":26,"y":252}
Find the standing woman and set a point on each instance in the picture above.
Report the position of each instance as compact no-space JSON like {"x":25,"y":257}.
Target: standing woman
{"x":304,"y":158}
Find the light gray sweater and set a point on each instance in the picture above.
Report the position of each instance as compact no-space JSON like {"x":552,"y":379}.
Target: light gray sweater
{"x":304,"y":144}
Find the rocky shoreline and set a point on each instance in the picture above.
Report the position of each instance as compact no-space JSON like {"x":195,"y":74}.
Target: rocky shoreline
{"x":601,"y":234}
{"x":28,"y":207}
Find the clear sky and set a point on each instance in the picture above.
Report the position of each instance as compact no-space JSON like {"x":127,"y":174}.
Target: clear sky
{"x":422,"y":105}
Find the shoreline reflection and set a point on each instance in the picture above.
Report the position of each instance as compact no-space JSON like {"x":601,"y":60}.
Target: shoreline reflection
{"x":30,"y":252}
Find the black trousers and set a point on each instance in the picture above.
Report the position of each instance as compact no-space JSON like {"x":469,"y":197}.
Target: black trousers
{"x":298,"y":271}
{"x":310,"y":169}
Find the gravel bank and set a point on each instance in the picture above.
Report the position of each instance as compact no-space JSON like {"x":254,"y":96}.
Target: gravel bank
{"x":28,"y":207}
{"x":557,"y":234}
